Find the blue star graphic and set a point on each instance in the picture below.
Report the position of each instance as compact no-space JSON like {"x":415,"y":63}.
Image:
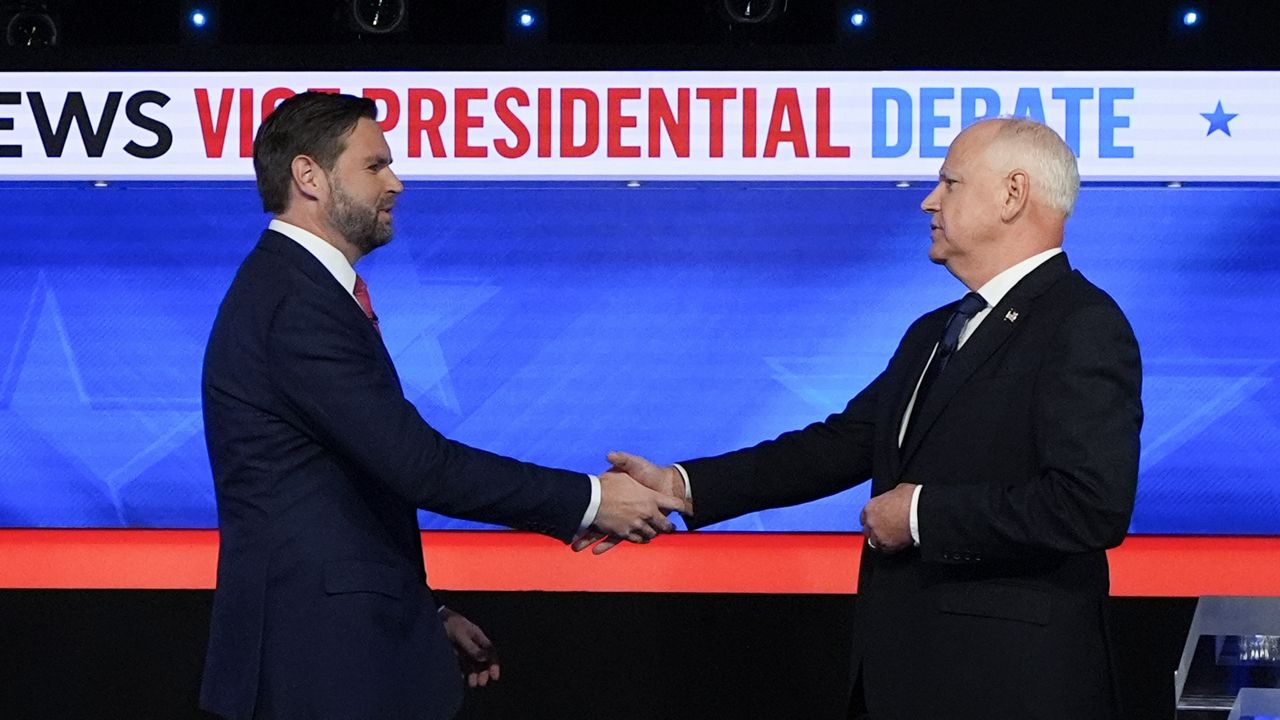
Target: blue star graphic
{"x":1218,"y":120}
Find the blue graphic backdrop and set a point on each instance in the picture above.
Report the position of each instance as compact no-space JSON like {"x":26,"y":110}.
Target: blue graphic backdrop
{"x":556,"y":321}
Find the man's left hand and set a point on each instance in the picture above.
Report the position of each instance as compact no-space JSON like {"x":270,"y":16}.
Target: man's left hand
{"x":476,"y":656}
{"x":886,"y":519}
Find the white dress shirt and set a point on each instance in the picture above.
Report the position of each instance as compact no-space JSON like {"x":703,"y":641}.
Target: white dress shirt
{"x":993,"y":292}
{"x":336,"y":263}
{"x":329,"y":256}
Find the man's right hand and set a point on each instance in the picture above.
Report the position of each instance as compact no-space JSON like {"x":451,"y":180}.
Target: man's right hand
{"x":631,"y":511}
{"x":666,"y":482}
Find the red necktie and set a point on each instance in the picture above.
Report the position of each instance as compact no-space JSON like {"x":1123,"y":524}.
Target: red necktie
{"x":361,"y":292}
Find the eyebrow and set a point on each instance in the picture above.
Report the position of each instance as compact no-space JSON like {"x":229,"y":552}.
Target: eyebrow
{"x":378,"y":160}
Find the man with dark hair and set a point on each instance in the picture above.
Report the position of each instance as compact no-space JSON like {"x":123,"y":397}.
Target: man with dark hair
{"x":319,"y":461}
{"x":313,"y":126}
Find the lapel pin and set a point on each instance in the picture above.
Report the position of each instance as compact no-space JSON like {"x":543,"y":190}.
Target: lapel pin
{"x":1011,"y":316}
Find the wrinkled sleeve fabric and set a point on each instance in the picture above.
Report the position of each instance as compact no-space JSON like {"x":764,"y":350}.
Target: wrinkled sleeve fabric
{"x":820,"y":460}
{"x":346,"y":395}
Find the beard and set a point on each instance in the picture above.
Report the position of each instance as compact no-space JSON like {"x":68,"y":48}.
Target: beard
{"x":358,"y":222}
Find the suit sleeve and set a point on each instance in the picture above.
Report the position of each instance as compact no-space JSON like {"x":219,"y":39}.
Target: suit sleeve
{"x":1087,"y":413}
{"x":346,"y":396}
{"x":796,"y":467}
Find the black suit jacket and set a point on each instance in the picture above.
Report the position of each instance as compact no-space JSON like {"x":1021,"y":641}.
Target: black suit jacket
{"x":319,"y":463}
{"x":1027,"y":450}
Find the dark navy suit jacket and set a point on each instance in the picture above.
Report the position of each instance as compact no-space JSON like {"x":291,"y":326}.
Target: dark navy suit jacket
{"x":1027,"y":450}
{"x":319,"y":464}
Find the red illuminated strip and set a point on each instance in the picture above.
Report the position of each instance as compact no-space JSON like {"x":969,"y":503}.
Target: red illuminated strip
{"x":1169,"y":566}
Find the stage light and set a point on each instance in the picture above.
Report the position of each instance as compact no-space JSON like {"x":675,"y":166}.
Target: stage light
{"x":526,"y":21}
{"x":751,"y":12}
{"x":31,"y":25}
{"x":1191,"y":18}
{"x":376,"y":17}
{"x":858,"y":18}
{"x":198,"y":21}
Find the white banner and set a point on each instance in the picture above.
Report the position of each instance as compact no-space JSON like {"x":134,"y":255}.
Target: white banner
{"x":1163,"y":126}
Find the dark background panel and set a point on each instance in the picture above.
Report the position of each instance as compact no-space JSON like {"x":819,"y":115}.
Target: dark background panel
{"x":79,"y":655}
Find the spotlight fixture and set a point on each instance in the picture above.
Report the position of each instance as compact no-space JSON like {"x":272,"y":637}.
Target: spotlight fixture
{"x":858,"y":18}
{"x":30,"y":25}
{"x":198,"y":21}
{"x":753,"y":12}
{"x":376,"y":17}
{"x":1191,"y":18}
{"x":526,"y":21}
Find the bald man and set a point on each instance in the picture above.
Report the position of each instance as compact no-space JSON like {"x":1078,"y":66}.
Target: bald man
{"x":1002,"y":446}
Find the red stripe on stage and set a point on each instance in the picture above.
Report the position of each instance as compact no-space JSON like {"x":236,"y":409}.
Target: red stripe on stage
{"x":1170,"y":566}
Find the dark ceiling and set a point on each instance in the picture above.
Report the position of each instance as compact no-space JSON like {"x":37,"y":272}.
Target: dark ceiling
{"x":602,"y":34}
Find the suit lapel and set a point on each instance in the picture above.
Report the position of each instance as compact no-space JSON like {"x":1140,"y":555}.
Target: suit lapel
{"x":1012,"y":312}
{"x":919,"y":351}
{"x":344,"y":305}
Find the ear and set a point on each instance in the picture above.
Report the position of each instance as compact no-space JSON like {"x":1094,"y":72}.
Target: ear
{"x":308,"y":178}
{"x":1017,"y":192}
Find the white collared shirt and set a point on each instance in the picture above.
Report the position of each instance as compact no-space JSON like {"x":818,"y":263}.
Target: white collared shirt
{"x":329,"y":256}
{"x":1000,"y":285}
{"x":336,"y":263}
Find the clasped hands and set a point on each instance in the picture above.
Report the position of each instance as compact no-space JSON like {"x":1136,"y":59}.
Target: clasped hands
{"x":635,"y":498}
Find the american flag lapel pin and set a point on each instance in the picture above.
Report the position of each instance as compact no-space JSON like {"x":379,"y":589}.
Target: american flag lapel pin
{"x":1011,"y":316}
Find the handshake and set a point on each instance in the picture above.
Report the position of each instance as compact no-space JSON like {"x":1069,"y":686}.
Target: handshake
{"x":635,"y":498}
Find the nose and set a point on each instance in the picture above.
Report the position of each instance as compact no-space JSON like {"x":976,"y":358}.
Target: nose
{"x":394,"y":186}
{"x":930,"y":202}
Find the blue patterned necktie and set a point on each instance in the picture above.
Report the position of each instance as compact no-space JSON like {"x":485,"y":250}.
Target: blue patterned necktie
{"x":969,"y":306}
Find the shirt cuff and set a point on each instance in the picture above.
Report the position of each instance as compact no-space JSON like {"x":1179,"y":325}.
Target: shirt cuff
{"x":688,"y":489}
{"x":915,"y":516}
{"x":593,"y":506}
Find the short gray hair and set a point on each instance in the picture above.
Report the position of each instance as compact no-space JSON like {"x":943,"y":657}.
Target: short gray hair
{"x":1035,"y":147}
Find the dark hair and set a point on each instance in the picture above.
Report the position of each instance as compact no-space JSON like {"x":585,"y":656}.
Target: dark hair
{"x":312,"y":124}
